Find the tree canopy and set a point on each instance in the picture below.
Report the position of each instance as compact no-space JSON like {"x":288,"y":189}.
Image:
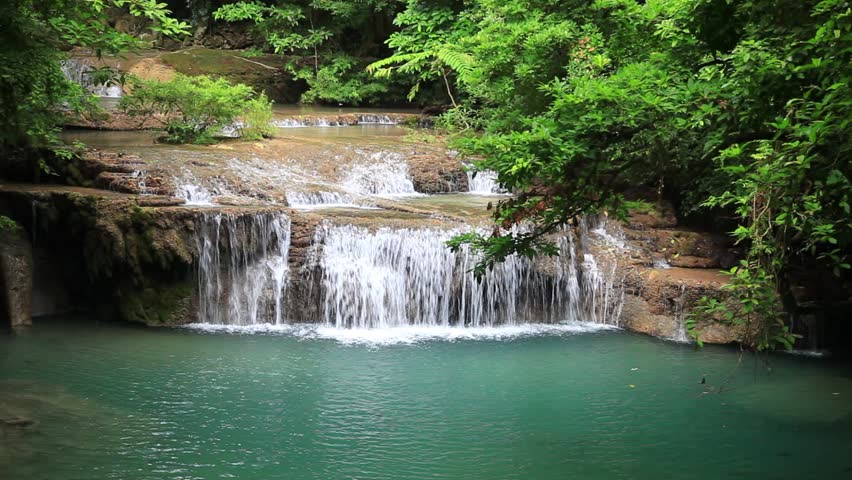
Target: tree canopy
{"x":733,"y":107}
{"x":33,"y":37}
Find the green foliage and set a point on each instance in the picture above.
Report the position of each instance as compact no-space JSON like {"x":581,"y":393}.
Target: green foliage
{"x":7,"y":223}
{"x":426,"y":47}
{"x":756,"y":310}
{"x":257,"y":119}
{"x":340,"y":79}
{"x":252,"y":52}
{"x":33,"y":90}
{"x":638,"y":206}
{"x":322,"y":39}
{"x":733,"y":106}
{"x":194,"y":109}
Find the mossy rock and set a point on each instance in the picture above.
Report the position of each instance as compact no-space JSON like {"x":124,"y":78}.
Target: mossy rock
{"x":264,"y":73}
{"x":161,"y":305}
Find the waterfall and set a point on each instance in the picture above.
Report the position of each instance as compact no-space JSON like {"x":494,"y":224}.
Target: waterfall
{"x":343,"y":120}
{"x":362,"y":279}
{"x":140,"y":177}
{"x":195,"y":195}
{"x":392,"y":278}
{"x":483,"y":182}
{"x":243,"y":268}
{"x":310,"y":122}
{"x":375,"y":119}
{"x":380,"y":173}
{"x":319,"y":200}
{"x":680,"y":334}
{"x":77,"y":71}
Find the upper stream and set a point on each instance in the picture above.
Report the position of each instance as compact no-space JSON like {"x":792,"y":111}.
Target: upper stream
{"x":379,"y":258}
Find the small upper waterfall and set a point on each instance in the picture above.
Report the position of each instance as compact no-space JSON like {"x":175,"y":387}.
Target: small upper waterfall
{"x":194,"y":195}
{"x":342,"y":120}
{"x":319,"y":200}
{"x":141,"y":176}
{"x":391,"y":278}
{"x":380,"y":173}
{"x":243,"y":268}
{"x":483,"y":182}
{"x":377,"y":119}
{"x":78,"y":72}
{"x":310,"y":122}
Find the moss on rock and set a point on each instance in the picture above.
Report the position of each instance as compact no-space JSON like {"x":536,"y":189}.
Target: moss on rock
{"x":263,"y":73}
{"x":158,"y":305}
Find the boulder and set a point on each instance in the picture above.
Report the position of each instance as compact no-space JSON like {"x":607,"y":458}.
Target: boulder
{"x":16,"y":278}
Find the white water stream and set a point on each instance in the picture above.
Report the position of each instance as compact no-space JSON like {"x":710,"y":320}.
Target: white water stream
{"x":390,"y":278}
{"x":194,"y":195}
{"x":79,"y":72}
{"x":379,"y":173}
{"x":243,"y":268}
{"x":483,"y":182}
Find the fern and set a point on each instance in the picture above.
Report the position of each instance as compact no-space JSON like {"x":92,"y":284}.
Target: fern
{"x":461,"y":63}
{"x":435,"y":60}
{"x":384,"y":67}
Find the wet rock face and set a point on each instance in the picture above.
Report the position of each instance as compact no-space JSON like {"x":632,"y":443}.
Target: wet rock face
{"x":109,"y":254}
{"x":118,"y":121}
{"x":657,"y":302}
{"x":16,"y":278}
{"x":118,"y":172}
{"x":264,"y":73}
{"x":668,"y":271}
{"x":437,"y":172}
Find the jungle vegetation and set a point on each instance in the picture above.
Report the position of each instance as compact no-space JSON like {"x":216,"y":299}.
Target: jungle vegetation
{"x":196,"y":109}
{"x":736,"y":111}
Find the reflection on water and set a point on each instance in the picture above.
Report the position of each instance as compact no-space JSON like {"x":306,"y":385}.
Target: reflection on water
{"x":456,"y":204}
{"x":112,"y":402}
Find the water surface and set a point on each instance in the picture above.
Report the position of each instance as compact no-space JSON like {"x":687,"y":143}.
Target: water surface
{"x":114,"y":402}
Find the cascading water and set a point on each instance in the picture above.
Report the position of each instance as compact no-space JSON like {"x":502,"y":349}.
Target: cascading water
{"x":379,"y":173}
{"x":194,"y":195}
{"x":79,"y":72}
{"x":320,"y":200}
{"x":339,"y":121}
{"x":310,"y":122}
{"x":483,"y":182}
{"x":376,"y":119}
{"x":393,"y":278}
{"x":141,"y":184}
{"x":680,"y":334}
{"x":243,"y":269}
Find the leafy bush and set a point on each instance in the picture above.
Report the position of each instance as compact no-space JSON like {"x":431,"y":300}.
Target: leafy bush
{"x":257,"y":118}
{"x":327,"y":44}
{"x":194,"y":109}
{"x":736,"y":109}
{"x":7,"y":223}
{"x":340,"y":79}
{"x":33,"y":90}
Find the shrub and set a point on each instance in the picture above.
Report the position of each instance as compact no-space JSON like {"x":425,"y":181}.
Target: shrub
{"x":7,"y":223}
{"x":194,"y":109}
{"x":256,"y":119}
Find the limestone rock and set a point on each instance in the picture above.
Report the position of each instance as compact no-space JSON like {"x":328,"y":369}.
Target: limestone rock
{"x":689,"y":261}
{"x":16,"y":278}
{"x":658,"y":300}
{"x":437,"y":172}
{"x":152,"y":69}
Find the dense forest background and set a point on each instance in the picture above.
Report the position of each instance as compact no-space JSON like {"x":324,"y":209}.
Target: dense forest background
{"x":736,"y":111}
